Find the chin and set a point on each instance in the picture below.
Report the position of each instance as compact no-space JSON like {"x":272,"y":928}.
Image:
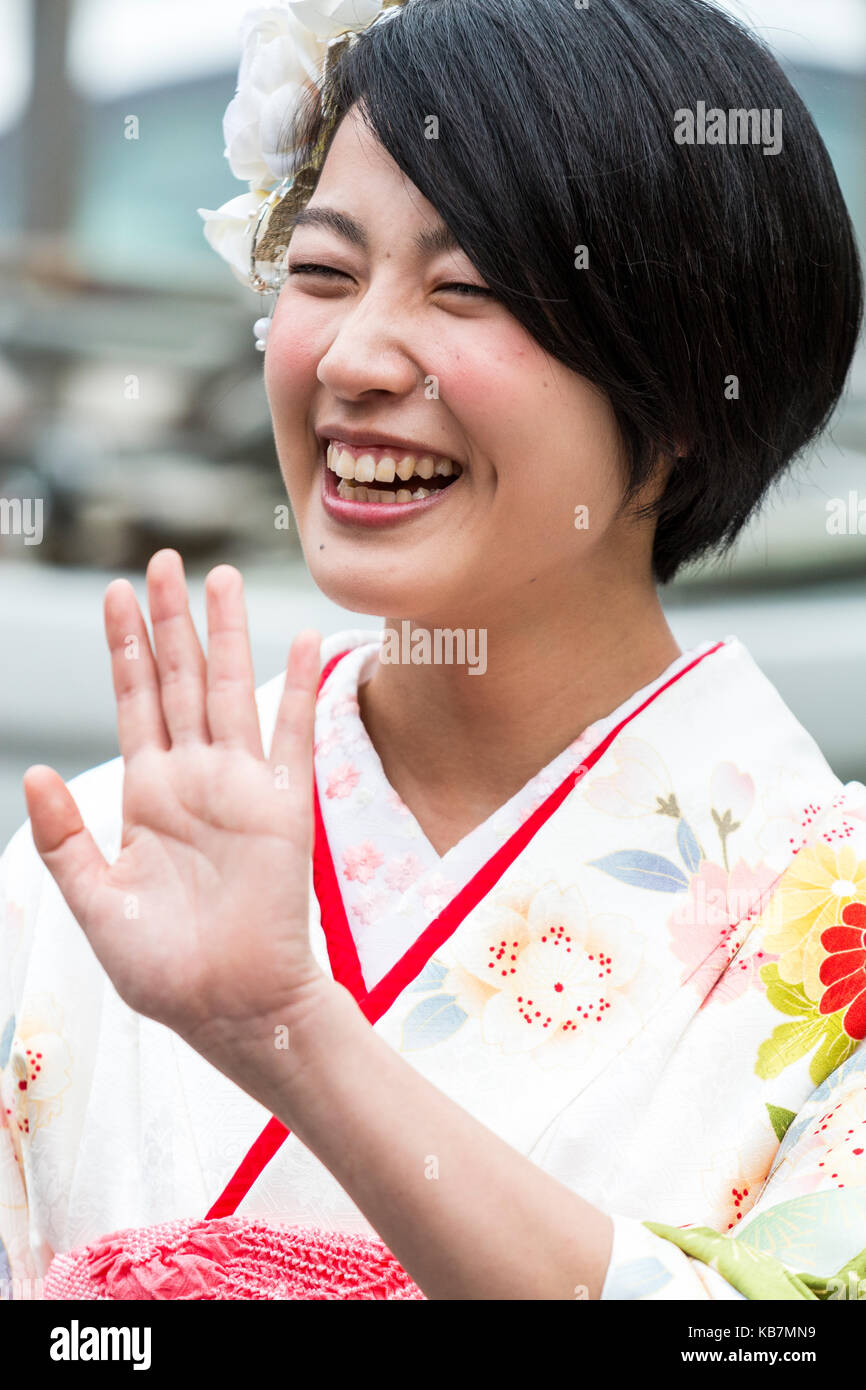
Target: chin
{"x":350,"y":588}
{"x":346,"y":587}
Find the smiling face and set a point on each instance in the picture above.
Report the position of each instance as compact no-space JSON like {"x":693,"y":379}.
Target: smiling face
{"x":382,"y":332}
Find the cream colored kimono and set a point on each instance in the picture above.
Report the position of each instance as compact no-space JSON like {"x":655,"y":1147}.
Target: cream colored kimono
{"x":646,"y":972}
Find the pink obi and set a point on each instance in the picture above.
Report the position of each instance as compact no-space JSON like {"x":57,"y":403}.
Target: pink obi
{"x":231,"y":1257}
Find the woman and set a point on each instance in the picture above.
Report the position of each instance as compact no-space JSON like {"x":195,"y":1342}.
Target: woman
{"x":594,"y":1031}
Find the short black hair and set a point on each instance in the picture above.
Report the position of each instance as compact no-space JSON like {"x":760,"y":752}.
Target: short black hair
{"x":556,"y":129}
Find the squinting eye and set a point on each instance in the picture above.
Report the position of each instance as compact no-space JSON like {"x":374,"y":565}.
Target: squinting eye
{"x":311,"y":268}
{"x":329,"y":272}
{"x":461,"y":288}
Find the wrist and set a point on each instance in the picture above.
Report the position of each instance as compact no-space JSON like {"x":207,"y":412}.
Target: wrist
{"x":305,"y":1046}
{"x":273,"y":1054}
{"x":306,"y":1028}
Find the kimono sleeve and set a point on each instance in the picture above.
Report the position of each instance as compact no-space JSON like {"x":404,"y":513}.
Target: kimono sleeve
{"x":18,"y":1273}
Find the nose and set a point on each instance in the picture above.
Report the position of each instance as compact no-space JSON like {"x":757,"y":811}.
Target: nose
{"x":371,"y":349}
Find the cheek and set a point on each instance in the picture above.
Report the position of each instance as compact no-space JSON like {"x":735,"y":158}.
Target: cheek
{"x":483,"y":381}
{"x":493,"y":366}
{"x":558,"y":453}
{"x":291,"y":363}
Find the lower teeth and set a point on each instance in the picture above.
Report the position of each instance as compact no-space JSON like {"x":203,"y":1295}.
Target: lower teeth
{"x":352,"y":493}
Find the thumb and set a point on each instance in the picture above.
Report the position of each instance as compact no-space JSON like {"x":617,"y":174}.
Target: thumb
{"x":66,"y":847}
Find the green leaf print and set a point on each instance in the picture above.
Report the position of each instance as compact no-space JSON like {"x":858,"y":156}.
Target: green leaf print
{"x":756,"y":1275}
{"x":787,"y":998}
{"x":834,"y":1050}
{"x":791,"y":1041}
{"x":780,"y":1119}
{"x":786,"y":1044}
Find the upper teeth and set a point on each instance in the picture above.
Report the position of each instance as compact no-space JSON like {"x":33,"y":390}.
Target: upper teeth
{"x":366,"y":469}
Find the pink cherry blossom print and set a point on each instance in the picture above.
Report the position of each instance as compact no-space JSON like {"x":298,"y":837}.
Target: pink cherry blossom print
{"x":360,"y":862}
{"x":342,"y":781}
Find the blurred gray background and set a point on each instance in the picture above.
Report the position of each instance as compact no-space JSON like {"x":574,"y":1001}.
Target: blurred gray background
{"x":106,"y":277}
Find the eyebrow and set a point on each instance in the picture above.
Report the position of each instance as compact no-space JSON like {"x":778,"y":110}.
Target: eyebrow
{"x":429,"y":241}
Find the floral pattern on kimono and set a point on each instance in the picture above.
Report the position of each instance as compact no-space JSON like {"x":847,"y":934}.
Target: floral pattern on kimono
{"x":805,"y":1233}
{"x":659,"y":999}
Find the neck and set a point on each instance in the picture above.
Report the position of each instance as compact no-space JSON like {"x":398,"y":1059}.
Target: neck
{"x":456,"y":745}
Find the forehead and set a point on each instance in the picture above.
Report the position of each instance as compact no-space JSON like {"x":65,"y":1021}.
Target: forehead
{"x":362,"y":193}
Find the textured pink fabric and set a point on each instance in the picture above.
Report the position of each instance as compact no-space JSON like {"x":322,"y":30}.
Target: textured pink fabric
{"x":229,"y":1258}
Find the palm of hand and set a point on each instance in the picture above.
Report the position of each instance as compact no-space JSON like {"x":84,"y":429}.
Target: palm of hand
{"x":202,"y":920}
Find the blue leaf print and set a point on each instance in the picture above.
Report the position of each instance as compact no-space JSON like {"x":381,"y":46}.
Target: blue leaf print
{"x":6,"y":1040}
{"x":432,"y":1020}
{"x":637,"y":1278}
{"x":431,"y":977}
{"x":689,"y":847}
{"x":818,"y":1231}
{"x":643,"y":870}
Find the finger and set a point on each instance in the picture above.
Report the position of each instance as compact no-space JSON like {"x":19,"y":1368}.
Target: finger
{"x":133,"y":671}
{"x":180,"y":660}
{"x":65,"y":846}
{"x":292,"y":744}
{"x":231,"y":687}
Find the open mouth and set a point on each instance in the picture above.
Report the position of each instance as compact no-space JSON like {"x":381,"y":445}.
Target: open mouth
{"x":385,"y":476}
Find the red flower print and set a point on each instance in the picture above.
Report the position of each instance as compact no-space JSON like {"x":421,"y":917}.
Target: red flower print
{"x":844,"y":970}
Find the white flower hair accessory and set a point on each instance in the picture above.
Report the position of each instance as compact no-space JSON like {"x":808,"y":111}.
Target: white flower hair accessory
{"x":287,"y":50}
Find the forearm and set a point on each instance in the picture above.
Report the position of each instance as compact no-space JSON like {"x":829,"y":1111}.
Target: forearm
{"x":466,"y":1215}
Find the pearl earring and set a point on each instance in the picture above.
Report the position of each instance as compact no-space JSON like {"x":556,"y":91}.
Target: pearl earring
{"x":261,"y":329}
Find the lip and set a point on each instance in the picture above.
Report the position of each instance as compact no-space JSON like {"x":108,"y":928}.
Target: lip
{"x":376,"y":440}
{"x":372,"y":513}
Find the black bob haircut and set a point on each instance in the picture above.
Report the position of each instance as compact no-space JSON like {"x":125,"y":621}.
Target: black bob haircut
{"x":705,"y":261}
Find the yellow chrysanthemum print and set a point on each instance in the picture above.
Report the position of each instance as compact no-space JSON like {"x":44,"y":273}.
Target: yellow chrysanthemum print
{"x":811,"y":896}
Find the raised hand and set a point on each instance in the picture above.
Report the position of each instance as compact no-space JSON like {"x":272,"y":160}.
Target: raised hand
{"x":202,"y":920}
